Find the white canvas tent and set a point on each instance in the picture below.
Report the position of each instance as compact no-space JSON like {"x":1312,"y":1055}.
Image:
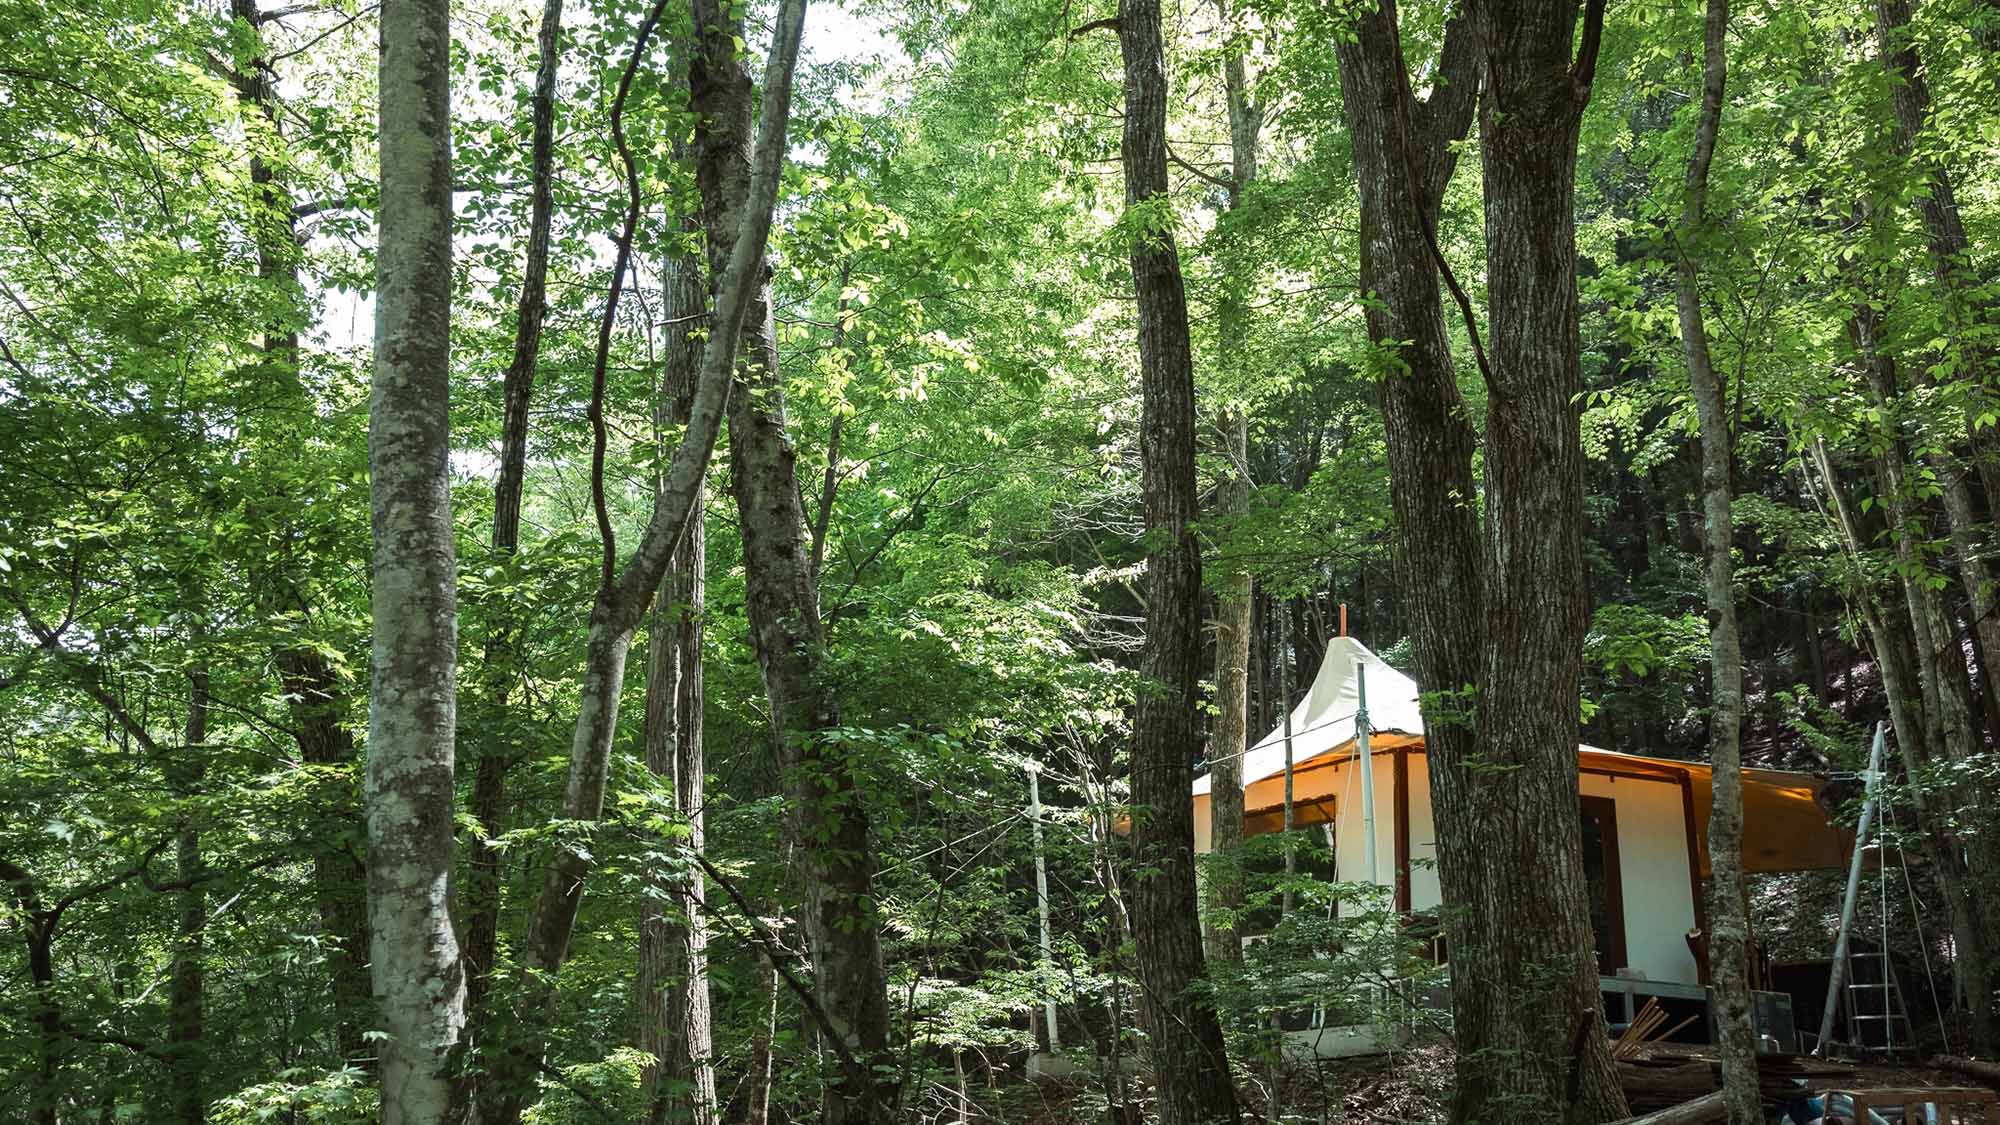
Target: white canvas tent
{"x":1647,"y":817}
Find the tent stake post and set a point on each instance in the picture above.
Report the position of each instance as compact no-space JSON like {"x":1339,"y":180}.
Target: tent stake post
{"x":1042,"y":895}
{"x":1837,"y":972}
{"x":1285,"y":686}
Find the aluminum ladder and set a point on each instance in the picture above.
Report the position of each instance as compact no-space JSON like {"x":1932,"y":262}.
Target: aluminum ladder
{"x":1878,"y":1002}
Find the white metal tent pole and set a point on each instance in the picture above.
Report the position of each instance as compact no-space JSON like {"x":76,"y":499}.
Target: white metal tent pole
{"x":1367,"y":763}
{"x":1042,"y":894}
{"x":1285,"y":689}
{"x":1836,"y":974}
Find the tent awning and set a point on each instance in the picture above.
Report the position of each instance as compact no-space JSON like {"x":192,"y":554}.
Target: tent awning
{"x":1785,"y":825}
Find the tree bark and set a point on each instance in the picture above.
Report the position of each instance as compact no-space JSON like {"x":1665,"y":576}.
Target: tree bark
{"x":626,"y":592}
{"x":186,"y":1053}
{"x":1966,"y":309}
{"x":622,"y":601}
{"x":418,"y":976}
{"x":316,"y":701}
{"x":481,"y":897}
{"x":1403,"y":159}
{"x":827,"y":818}
{"x":1728,"y":924}
{"x":673,"y":928}
{"x":1232,"y":727}
{"x":315,"y":698}
{"x":1498,"y":632}
{"x":757,"y":1082}
{"x":1708,"y":1107}
{"x":1184,"y":1036}
{"x":1234,"y":593}
{"x":1941,"y":675}
{"x":1530,"y":978}
{"x":37,"y":924}
{"x":1890,"y":633}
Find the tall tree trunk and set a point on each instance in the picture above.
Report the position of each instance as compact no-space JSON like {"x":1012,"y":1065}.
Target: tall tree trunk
{"x":1941,"y":672}
{"x":418,"y":976}
{"x":827,"y":818}
{"x":1498,"y":633}
{"x":1183,"y":1034}
{"x":625,"y":593}
{"x":481,"y":895}
{"x":1532,"y":1038}
{"x":757,"y":1082}
{"x":1960,"y":286}
{"x":315,"y":699}
{"x":1728,"y":923}
{"x":37,"y":925}
{"x":1232,"y":727}
{"x":315,"y":696}
{"x":1233,"y":595}
{"x":1403,"y":159}
{"x":186,"y":1053}
{"x":673,"y":928}
{"x":1890,"y":632}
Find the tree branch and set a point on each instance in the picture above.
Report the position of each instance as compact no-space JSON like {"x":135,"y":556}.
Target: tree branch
{"x":768,"y":945}
{"x":1218,"y":181}
{"x":85,"y":674}
{"x":1584,"y":71}
{"x":621,"y":260}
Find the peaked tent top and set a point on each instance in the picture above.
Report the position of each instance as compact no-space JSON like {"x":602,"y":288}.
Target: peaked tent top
{"x":1324,"y":719}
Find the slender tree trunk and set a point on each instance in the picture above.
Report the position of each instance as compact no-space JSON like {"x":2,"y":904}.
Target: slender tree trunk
{"x":1966,"y":308}
{"x":37,"y":925}
{"x":1184,"y":1036}
{"x":316,"y":698}
{"x":757,"y":1083}
{"x":1233,"y":595}
{"x":1941,"y":673}
{"x":481,"y":895}
{"x":1728,"y":924}
{"x":1959,"y":286}
{"x":316,"y":701}
{"x":673,"y":927}
{"x":418,"y":976}
{"x":186,"y":1053}
{"x":1533,"y":1038}
{"x":625,"y":593}
{"x":1403,"y":159}
{"x":827,"y":818}
{"x":1890,"y":630}
{"x":1232,"y":728}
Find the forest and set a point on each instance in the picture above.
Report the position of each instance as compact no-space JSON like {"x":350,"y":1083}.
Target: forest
{"x":705,"y":561}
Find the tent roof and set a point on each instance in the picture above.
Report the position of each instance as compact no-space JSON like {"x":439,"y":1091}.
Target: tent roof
{"x":1324,"y":719}
{"x":1785,"y":827}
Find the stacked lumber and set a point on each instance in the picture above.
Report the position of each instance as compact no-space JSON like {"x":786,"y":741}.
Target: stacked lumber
{"x":1667,"y":1079}
{"x":1645,"y":1028}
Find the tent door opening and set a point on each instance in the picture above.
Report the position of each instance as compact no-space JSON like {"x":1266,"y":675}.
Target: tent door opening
{"x":1603,"y":883}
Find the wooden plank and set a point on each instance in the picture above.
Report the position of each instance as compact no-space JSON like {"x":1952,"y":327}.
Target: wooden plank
{"x":1984,"y":1071}
{"x":1700,"y":1111}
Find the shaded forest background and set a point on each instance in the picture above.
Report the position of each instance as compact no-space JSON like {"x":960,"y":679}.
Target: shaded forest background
{"x":187,"y":222}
